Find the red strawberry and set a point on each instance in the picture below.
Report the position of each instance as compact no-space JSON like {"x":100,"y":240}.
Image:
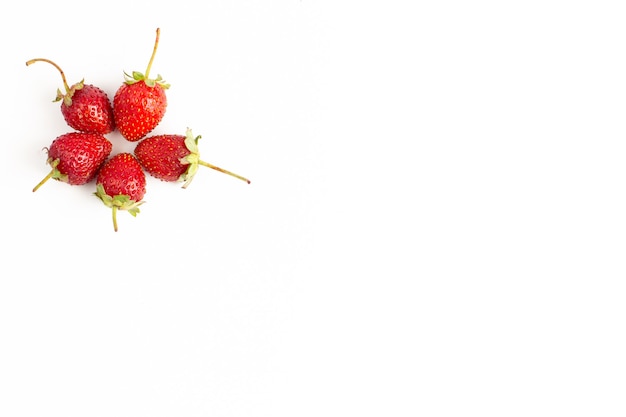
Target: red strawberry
{"x":140,"y":102}
{"x":121,"y":184}
{"x":173,"y":157}
{"x":75,"y":157}
{"x":85,"y":107}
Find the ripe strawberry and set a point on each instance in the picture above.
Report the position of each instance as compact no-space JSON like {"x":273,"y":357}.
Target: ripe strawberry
{"x":140,"y":103}
{"x":173,"y":157}
{"x":75,"y":157}
{"x":85,"y":107}
{"x":121,"y":184}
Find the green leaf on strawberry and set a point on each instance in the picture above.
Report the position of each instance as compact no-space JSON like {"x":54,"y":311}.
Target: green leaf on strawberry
{"x":120,"y":201}
{"x":150,"y":82}
{"x":67,"y":97}
{"x":55,"y":173}
{"x":192,"y":159}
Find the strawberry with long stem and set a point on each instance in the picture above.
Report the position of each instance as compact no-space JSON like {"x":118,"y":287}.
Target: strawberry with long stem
{"x":85,"y":107}
{"x":140,"y":102}
{"x":174,"y":158}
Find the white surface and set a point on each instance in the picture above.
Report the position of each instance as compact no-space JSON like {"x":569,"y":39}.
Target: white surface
{"x":435,"y":224}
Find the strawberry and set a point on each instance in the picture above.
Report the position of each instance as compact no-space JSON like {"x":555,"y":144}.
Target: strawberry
{"x":75,"y":157}
{"x":140,"y":102}
{"x":85,"y":107}
{"x":173,"y":157}
{"x":121,"y":184}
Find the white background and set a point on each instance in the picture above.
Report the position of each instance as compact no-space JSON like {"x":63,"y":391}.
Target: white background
{"x":435,"y":224}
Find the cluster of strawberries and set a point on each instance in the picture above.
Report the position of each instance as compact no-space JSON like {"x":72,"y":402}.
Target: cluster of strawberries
{"x":138,"y":107}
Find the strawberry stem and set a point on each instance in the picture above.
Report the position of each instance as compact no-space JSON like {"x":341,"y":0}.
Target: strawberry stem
{"x":32,"y":61}
{"x":46,"y":178}
{"x":51,"y":174}
{"x":114,"y":218}
{"x":206,"y":164}
{"x":156,"y":44}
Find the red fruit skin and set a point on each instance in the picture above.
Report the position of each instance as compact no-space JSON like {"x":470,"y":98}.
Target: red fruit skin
{"x":90,"y":111}
{"x":138,"y":109}
{"x":80,"y":155}
{"x":122,"y":175}
{"x":161,"y":156}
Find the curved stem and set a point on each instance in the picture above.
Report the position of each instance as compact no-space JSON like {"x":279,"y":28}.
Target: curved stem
{"x":32,"y":61}
{"x":156,"y":44}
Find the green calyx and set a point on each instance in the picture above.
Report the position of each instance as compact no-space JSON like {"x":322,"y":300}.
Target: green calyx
{"x":121,"y":201}
{"x":67,"y":97}
{"x":192,"y":159}
{"x":150,"y":82}
{"x":118,"y":202}
{"x":56,"y":174}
